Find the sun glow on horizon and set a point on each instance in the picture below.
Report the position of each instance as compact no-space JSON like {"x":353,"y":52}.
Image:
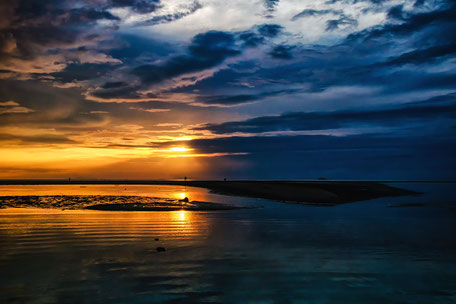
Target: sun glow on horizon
{"x":182,"y":195}
{"x":180,"y":149}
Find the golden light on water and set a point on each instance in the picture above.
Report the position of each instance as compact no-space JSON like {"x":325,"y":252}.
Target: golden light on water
{"x":105,"y":227}
{"x":182,"y":215}
{"x":184,"y":222}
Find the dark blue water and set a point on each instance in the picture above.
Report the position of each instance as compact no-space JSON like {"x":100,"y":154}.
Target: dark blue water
{"x":364,"y":252}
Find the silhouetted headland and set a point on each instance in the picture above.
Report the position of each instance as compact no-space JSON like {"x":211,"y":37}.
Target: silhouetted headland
{"x":320,"y":192}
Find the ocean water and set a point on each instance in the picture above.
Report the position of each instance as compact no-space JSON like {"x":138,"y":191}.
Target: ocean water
{"x":363,"y":252}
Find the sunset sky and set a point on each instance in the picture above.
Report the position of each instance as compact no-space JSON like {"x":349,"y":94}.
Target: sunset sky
{"x":265,"y":89}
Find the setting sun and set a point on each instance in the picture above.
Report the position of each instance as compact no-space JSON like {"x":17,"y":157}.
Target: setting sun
{"x":180,"y":149}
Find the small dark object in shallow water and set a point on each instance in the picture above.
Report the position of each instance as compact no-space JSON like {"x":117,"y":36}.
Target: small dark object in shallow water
{"x":157,"y":239}
{"x":185,"y":200}
{"x":161,"y":249}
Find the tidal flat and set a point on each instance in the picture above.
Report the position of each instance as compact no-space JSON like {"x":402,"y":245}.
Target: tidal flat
{"x":110,"y":203}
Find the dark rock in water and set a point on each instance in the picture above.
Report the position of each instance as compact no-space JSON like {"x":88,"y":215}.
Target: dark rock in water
{"x":185,"y":200}
{"x":161,"y":249}
{"x":157,"y":239}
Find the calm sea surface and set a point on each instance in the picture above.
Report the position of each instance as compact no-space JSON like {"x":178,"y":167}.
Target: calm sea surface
{"x":364,"y":252}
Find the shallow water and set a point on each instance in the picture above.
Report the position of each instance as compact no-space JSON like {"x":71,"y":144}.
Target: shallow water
{"x":364,"y":252}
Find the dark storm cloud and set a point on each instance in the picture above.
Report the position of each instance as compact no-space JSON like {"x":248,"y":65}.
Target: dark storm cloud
{"x":208,"y":86}
{"x":205,"y":51}
{"x":139,"y":6}
{"x":442,"y":19}
{"x":396,"y":12}
{"x":35,"y":12}
{"x":362,"y":58}
{"x":271,"y":4}
{"x":37,"y":139}
{"x":311,"y":71}
{"x":240,"y":99}
{"x":36,"y":20}
{"x":421,"y":56}
{"x":114,"y":85}
{"x":118,"y":92}
{"x":282,"y":52}
{"x":359,"y":60}
{"x":270,"y":30}
{"x":314,"y":12}
{"x":172,"y":17}
{"x":80,"y":72}
{"x":54,"y":108}
{"x":129,"y":48}
{"x":81,"y":15}
{"x":343,"y":21}
{"x":228,"y":100}
{"x":251,"y":39}
{"x":419,"y":3}
{"x":332,"y":24}
{"x":259,"y":34}
{"x":270,"y":7}
{"x":416,"y":82}
{"x":444,"y":106}
{"x":376,"y":2}
{"x":42,"y":36}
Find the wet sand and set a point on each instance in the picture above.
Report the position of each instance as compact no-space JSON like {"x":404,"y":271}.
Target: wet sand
{"x":306,"y":192}
{"x":109,"y":203}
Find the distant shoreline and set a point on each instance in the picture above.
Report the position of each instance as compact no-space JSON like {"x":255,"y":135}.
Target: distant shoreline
{"x":321,"y":192}
{"x":180,"y":181}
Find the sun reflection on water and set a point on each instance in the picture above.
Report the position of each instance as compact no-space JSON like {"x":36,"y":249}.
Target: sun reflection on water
{"x":104,"y":227}
{"x":182,"y":215}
